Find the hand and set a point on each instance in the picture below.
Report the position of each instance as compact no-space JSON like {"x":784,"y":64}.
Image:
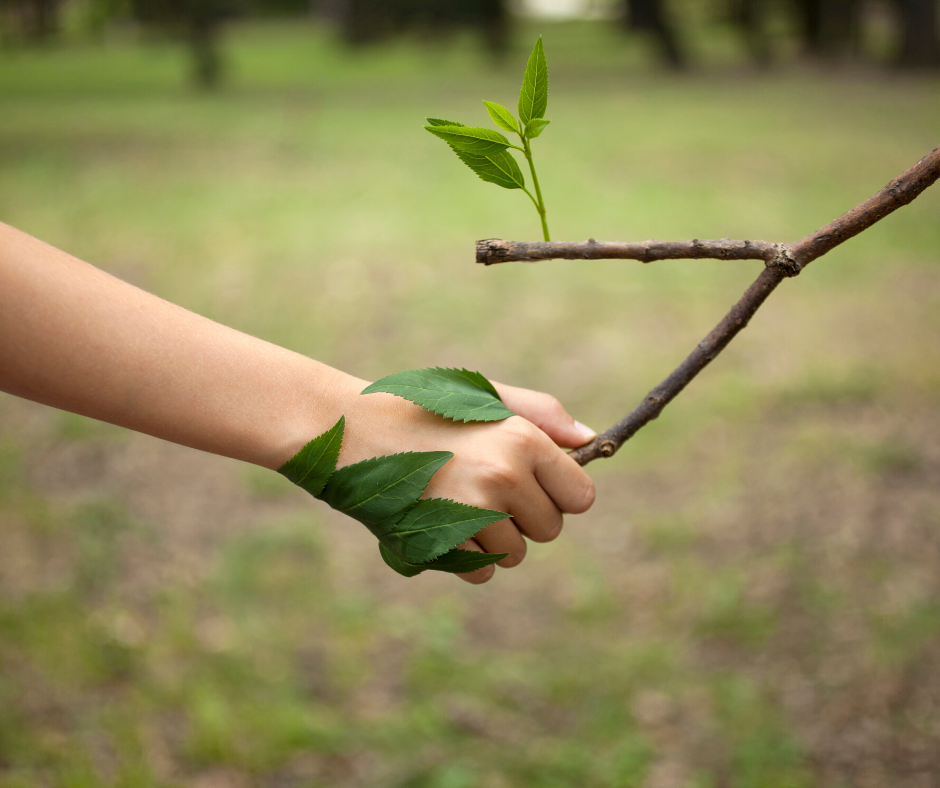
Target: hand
{"x":513,"y":466}
{"x":78,"y":339}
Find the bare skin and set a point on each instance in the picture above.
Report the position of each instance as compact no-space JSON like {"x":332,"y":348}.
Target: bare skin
{"x":77,"y":338}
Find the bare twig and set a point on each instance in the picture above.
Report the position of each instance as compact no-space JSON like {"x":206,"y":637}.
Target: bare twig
{"x":781,"y":261}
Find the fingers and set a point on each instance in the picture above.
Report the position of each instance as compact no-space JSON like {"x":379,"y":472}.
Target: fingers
{"x":536,"y":489}
{"x":514,"y":467}
{"x":546,"y":413}
{"x":559,"y":476}
{"x":480,"y":576}
{"x":503,"y":537}
{"x":565,"y":482}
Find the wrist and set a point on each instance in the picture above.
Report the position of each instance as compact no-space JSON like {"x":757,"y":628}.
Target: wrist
{"x":317,"y":397}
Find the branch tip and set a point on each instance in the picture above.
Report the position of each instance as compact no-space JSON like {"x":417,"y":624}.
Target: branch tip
{"x":780,"y":260}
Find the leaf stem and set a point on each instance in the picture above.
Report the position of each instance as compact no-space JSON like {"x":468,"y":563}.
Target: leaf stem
{"x":540,"y":203}
{"x":534,"y":201}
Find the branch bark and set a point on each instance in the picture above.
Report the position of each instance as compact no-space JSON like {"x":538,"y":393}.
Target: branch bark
{"x":781,"y":260}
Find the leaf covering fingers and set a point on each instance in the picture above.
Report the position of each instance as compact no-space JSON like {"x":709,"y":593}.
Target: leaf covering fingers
{"x":384,"y":493}
{"x":455,"y":561}
{"x":435,"y":525}
{"x":374,"y":491}
{"x":457,"y":394}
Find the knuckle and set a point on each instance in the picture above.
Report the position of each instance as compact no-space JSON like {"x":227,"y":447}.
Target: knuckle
{"x":553,"y":407}
{"x":519,"y":433}
{"x":501,"y":476}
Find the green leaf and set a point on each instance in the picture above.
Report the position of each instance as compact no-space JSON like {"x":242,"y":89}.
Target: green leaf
{"x":459,"y":561}
{"x":535,"y":127}
{"x":456,"y":561}
{"x":499,"y":168}
{"x":478,"y":141}
{"x":457,"y":394}
{"x":434,"y":526}
{"x":439,"y":122}
{"x":501,"y":116}
{"x":375,"y":491}
{"x":399,"y":564}
{"x":533,"y":98}
{"x":312,"y":466}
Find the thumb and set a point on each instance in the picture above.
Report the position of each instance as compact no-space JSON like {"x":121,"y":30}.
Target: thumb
{"x":546,"y":413}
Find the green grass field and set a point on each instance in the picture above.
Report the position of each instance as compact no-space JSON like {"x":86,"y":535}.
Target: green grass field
{"x":753,"y":602}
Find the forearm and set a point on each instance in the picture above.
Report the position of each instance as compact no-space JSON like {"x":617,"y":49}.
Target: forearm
{"x":76,"y":338}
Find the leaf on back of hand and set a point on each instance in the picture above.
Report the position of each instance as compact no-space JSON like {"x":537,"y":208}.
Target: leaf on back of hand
{"x":457,"y":394}
{"x":501,"y":116}
{"x":499,"y":168}
{"x":533,"y":98}
{"x":435,"y":525}
{"x":312,"y":467}
{"x":470,"y":139}
{"x":535,"y":127}
{"x":375,"y":491}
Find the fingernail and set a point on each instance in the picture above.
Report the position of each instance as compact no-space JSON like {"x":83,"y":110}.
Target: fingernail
{"x":586,"y":432}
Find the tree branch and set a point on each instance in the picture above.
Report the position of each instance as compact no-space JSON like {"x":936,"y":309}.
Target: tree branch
{"x":781,"y":261}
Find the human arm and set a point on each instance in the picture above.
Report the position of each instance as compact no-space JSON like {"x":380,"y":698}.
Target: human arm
{"x":78,"y":339}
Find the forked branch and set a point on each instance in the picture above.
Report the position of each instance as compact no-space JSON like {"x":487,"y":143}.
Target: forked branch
{"x":781,"y":260}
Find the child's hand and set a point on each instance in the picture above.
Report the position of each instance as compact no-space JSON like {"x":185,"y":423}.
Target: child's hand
{"x":513,"y":466}
{"x":81,"y":340}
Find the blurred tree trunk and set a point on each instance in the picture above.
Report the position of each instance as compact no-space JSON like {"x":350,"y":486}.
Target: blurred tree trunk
{"x":45,"y":19}
{"x":650,"y":16}
{"x":919,"y":40}
{"x":494,"y":27}
{"x":750,"y":18}
{"x":204,"y":41}
{"x":197,"y":23}
{"x":35,"y":21}
{"x":829,"y":28}
{"x":368,"y":21}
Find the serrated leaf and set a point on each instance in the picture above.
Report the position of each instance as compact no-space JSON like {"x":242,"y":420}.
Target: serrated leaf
{"x":501,"y":116}
{"x":458,"y":561}
{"x":398,"y":564}
{"x":312,"y":466}
{"x":535,"y":127}
{"x":455,"y":561}
{"x":440,"y":122}
{"x":375,"y":491}
{"x":457,"y":394}
{"x":434,"y":526}
{"x":533,"y":98}
{"x":471,"y":139}
{"x":499,"y":168}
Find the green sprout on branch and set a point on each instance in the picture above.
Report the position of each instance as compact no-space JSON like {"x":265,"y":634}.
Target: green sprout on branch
{"x":486,"y":151}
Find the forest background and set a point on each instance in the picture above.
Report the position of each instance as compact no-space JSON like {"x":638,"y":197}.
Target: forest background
{"x":755,"y":598}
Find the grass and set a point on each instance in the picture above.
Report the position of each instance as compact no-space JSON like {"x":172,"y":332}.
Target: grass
{"x":758,"y":577}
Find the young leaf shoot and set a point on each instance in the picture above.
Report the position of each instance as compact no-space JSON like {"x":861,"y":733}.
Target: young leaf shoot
{"x":486,"y":152}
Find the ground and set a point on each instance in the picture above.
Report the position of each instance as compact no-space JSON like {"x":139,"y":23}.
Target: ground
{"x":753,"y":601}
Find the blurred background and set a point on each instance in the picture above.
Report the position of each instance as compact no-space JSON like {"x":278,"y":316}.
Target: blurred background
{"x":752,"y":601}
